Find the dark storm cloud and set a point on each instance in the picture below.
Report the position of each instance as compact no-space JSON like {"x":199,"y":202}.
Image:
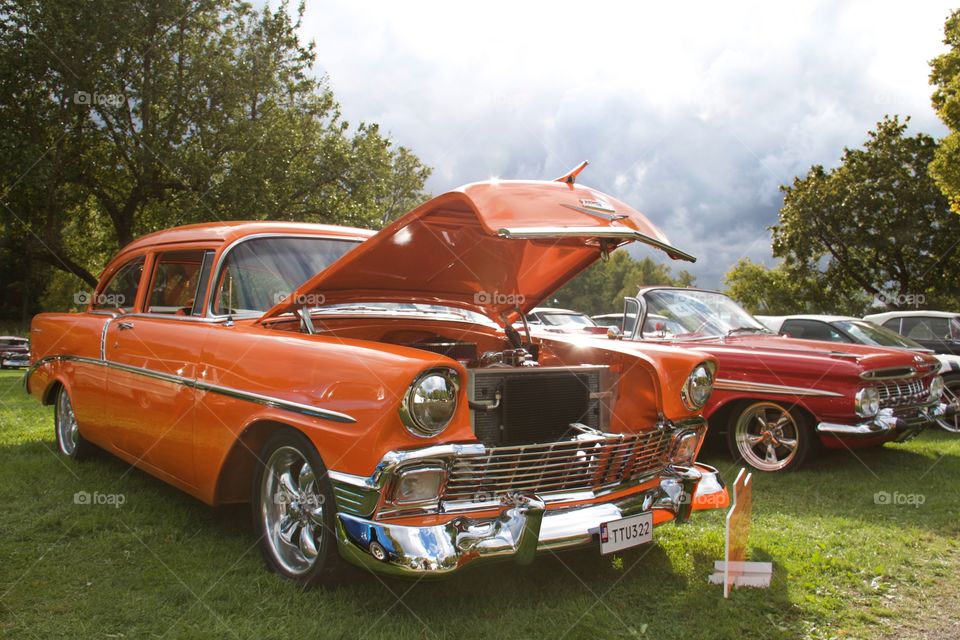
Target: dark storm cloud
{"x":695,"y":123}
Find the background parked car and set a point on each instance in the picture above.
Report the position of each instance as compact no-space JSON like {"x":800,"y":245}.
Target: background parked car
{"x":855,"y":330}
{"x":936,"y":330}
{"x":778,"y":398}
{"x":14,"y":352}
{"x":609,"y":320}
{"x":562,"y":321}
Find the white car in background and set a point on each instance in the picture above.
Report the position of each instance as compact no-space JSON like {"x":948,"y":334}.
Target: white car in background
{"x":854,"y":330}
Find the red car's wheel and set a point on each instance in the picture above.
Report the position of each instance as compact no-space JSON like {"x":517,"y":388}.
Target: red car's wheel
{"x":770,"y":437}
{"x":951,"y":391}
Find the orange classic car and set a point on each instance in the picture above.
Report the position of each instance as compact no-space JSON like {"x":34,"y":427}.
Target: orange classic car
{"x":369,"y":394}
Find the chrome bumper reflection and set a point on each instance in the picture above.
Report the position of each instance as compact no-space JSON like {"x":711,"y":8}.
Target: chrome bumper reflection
{"x":524,"y":527}
{"x":886,"y":422}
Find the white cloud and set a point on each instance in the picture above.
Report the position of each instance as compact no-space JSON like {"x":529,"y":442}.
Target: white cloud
{"x":693,"y":113}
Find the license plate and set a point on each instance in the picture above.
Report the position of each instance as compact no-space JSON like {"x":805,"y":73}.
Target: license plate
{"x":626,"y":532}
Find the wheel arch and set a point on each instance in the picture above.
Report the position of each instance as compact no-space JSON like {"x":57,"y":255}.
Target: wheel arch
{"x":236,"y":473}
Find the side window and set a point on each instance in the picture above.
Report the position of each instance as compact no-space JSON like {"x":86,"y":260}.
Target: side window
{"x":176,"y":280}
{"x":893,"y":324}
{"x":812,"y":330}
{"x":926,"y":328}
{"x":121,"y":291}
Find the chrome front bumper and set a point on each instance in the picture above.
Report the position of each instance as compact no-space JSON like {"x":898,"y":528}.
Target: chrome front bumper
{"x":886,"y":422}
{"x":523,"y":528}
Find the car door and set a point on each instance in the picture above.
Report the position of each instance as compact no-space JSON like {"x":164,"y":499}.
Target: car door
{"x":152,"y":357}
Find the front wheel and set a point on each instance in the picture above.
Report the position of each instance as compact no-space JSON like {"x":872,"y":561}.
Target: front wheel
{"x":951,"y":391}
{"x":294,"y":510}
{"x":770,"y":437}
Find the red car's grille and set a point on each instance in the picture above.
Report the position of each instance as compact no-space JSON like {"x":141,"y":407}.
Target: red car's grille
{"x":902,"y":392}
{"x":576,"y":465}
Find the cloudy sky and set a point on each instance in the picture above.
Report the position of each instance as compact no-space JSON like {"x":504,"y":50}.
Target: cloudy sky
{"x":694,"y":113}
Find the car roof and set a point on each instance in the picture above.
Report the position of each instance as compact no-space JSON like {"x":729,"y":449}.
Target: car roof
{"x":888,"y":315}
{"x":808,"y":316}
{"x":608,"y":315}
{"x":235,"y":229}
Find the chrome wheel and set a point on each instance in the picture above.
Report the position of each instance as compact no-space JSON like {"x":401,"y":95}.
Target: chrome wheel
{"x":68,"y":433}
{"x":949,"y":396}
{"x":292,"y":510}
{"x":767,"y":436}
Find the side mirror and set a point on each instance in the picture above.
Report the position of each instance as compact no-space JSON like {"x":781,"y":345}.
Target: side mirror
{"x":614,"y":333}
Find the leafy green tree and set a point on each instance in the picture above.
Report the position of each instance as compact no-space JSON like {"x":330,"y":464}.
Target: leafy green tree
{"x":117,"y":119}
{"x":602,"y":287}
{"x":945,"y":76}
{"x":874,"y":228}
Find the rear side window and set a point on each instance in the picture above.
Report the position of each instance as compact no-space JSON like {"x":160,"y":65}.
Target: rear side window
{"x":176,"y":280}
{"x":121,"y":291}
{"x":926,"y":328}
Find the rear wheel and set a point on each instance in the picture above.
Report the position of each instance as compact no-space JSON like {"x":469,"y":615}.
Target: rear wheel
{"x":69,"y":441}
{"x":294,"y":510}
{"x":951,"y":391}
{"x":770,"y":437}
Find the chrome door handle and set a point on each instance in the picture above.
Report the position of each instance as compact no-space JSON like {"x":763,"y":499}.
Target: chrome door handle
{"x":123,"y":326}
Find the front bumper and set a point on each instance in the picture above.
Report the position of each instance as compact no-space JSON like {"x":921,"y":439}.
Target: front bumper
{"x":521,"y":530}
{"x":888,"y":423}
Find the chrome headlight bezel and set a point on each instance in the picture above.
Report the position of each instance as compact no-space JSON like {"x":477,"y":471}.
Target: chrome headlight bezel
{"x":866,"y":402}
{"x":937,"y":387}
{"x":415,"y":400}
{"x":698,"y":386}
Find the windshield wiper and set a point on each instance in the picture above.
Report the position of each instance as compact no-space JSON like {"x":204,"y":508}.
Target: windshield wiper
{"x":746,"y":330}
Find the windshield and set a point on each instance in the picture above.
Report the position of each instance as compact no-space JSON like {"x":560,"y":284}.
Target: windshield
{"x":676,"y":313}
{"x":560,"y":319}
{"x":866,"y":332}
{"x":261,"y":272}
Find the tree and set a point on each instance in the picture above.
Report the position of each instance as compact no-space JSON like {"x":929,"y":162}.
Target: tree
{"x":602,"y":287}
{"x":117,"y":119}
{"x":874,"y":228}
{"x":945,"y":76}
{"x":781,"y":291}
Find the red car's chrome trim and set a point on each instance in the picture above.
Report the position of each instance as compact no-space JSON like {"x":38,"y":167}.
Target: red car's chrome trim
{"x":779,"y":389}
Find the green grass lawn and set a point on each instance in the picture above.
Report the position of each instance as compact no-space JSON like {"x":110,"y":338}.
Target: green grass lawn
{"x":164,"y":565}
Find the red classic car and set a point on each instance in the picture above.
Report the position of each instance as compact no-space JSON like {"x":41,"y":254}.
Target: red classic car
{"x":778,"y":398}
{"x":369,"y":394}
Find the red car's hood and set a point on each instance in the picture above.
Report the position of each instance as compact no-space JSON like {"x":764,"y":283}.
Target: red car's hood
{"x":771,"y":347}
{"x":490,"y":247}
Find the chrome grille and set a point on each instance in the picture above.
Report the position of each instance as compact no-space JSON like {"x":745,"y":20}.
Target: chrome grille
{"x":589,"y":463}
{"x":902,"y":392}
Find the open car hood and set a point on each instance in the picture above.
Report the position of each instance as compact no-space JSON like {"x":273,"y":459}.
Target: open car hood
{"x":490,"y":247}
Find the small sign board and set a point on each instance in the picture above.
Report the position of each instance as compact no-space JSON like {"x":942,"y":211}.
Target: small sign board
{"x":734,"y":570}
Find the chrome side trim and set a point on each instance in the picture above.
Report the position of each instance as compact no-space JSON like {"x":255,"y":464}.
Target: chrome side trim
{"x":618,"y":233}
{"x":249,"y":396}
{"x":762,"y":387}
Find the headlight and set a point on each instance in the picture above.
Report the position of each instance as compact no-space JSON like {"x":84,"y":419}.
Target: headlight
{"x":685,"y":447}
{"x":936,"y":388}
{"x":698,"y":387}
{"x":419,"y":485}
{"x":429,"y":404}
{"x":867,"y":402}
